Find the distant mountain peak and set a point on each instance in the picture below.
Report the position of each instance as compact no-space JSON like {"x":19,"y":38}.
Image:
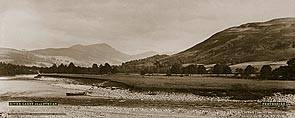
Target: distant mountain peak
{"x":145,"y":54}
{"x":93,"y":45}
{"x":100,"y":45}
{"x":94,"y":53}
{"x":149,"y":52}
{"x":77,"y":45}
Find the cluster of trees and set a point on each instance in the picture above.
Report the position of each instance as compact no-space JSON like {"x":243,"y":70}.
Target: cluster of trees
{"x":221,"y":69}
{"x":190,"y":69}
{"x":10,"y":69}
{"x":267,"y":73}
{"x":285,"y":72}
{"x":72,"y":69}
{"x":247,"y":72}
{"x":175,"y":69}
{"x":194,"y":69}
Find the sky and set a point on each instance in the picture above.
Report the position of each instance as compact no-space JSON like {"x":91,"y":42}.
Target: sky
{"x":131,"y":26}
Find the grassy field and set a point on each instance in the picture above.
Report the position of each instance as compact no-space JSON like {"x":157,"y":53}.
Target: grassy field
{"x":187,"y":82}
{"x":208,"y":86}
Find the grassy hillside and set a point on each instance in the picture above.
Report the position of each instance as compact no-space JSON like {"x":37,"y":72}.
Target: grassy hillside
{"x":260,"y":41}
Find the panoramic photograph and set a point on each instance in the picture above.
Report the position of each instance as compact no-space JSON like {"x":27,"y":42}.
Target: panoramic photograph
{"x":147,"y":59}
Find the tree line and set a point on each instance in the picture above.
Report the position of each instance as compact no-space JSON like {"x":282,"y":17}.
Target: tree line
{"x":7,"y":69}
{"x":73,"y":69}
{"x":266,"y":72}
{"x":10,"y":69}
{"x":190,"y":69}
{"x":284,"y":72}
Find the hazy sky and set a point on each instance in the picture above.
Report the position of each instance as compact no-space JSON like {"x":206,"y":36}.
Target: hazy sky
{"x":132,"y":26}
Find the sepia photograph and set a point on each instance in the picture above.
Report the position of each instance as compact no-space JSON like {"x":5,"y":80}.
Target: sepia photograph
{"x":147,"y":59}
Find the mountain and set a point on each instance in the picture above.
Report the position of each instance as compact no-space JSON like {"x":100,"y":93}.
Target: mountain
{"x":96,"y":53}
{"x":144,"y":55}
{"x":272,"y":40}
{"x":81,"y":55}
{"x":148,"y":61}
{"x":21,"y":57}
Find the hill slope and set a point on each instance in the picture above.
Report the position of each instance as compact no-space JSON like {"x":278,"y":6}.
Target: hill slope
{"x":21,"y":57}
{"x":144,"y":55}
{"x":260,"y":41}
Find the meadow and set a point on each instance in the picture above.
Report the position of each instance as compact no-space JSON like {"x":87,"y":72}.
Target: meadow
{"x":200,"y":85}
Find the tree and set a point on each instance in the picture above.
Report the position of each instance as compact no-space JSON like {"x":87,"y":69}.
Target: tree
{"x":217,"y":69}
{"x":100,"y":69}
{"x":221,"y":69}
{"x":106,"y":69}
{"x":143,"y":71}
{"x":201,"y":69}
{"x":158,"y":66}
{"x":291,"y":68}
{"x":115,"y":69}
{"x":249,"y":70}
{"x":71,"y":68}
{"x":61,"y":68}
{"x":227,"y":69}
{"x":190,"y":69}
{"x":239,"y":71}
{"x":53,"y":68}
{"x":281,"y":73}
{"x":10,"y":69}
{"x":95,"y":69}
{"x":94,"y":66}
{"x":168,"y":72}
{"x":266,"y":72}
{"x":291,"y":62}
{"x":175,"y":69}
